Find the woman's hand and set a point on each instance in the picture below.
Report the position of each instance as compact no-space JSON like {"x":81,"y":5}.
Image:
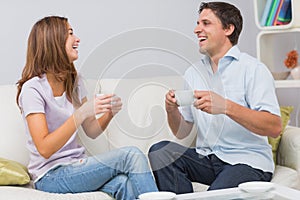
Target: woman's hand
{"x":103,"y":103}
{"x":97,"y":105}
{"x":116,"y":104}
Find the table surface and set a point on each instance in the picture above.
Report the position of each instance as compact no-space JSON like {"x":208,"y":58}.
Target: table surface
{"x":278,"y":192}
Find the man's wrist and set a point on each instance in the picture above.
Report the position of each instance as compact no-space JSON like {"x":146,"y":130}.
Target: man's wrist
{"x":227,"y":107}
{"x":172,"y":109}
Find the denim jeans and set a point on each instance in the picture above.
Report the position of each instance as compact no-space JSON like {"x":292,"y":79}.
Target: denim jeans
{"x":122,"y":173}
{"x":175,"y":167}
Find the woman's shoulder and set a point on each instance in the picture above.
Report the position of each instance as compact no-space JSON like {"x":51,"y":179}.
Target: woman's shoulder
{"x":35,"y":82}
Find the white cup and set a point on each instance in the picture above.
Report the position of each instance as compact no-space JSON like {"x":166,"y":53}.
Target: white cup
{"x":184,"y":97}
{"x":99,"y":94}
{"x":113,"y":98}
{"x":157,"y":196}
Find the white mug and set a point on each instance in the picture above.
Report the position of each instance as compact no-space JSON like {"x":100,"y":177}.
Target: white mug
{"x":184,"y":97}
{"x":113,"y":98}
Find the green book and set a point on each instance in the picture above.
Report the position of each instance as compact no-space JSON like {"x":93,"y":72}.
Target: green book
{"x":272,"y":12}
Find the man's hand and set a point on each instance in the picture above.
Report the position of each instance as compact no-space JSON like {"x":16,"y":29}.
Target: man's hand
{"x":170,"y":101}
{"x":210,"y":102}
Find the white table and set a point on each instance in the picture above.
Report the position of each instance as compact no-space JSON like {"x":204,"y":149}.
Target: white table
{"x":277,"y":193}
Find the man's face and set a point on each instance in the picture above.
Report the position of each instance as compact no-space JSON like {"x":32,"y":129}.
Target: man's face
{"x":210,"y":33}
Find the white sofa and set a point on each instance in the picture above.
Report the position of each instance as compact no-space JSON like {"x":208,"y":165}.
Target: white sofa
{"x":141,"y":123}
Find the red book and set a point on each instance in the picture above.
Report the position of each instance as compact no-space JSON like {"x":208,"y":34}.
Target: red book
{"x":277,"y":12}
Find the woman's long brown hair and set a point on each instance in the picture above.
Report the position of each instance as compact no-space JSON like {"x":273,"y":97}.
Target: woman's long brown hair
{"x":46,"y":53}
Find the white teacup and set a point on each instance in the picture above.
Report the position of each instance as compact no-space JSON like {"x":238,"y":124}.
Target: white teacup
{"x":184,"y":97}
{"x":113,"y":98}
{"x":157,"y":196}
{"x":99,"y":94}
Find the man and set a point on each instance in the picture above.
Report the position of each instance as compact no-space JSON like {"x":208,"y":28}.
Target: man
{"x":235,"y":110}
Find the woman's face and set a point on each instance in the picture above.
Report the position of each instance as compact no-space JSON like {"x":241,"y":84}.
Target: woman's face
{"x":72,"y":45}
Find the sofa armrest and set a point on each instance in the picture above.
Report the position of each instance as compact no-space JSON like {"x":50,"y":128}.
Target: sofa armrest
{"x":289,"y":148}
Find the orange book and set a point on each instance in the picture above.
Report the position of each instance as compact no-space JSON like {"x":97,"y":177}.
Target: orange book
{"x":277,"y":12}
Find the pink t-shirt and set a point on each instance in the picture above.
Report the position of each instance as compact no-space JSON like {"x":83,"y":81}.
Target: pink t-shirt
{"x":37,"y":97}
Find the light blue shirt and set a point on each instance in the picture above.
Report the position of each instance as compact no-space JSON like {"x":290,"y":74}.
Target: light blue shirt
{"x":245,"y":81}
{"x":37,"y":97}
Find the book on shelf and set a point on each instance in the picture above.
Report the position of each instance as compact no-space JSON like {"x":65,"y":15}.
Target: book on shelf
{"x":274,"y":23}
{"x":285,"y":14}
{"x":272,"y":13}
{"x":265,"y":14}
{"x":276,"y":12}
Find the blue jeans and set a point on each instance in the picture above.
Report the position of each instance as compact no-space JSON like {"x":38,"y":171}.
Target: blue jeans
{"x":175,"y":167}
{"x":122,"y":173}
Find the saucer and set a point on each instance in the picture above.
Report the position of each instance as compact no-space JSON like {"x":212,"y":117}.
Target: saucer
{"x":256,"y":186}
{"x":157,"y":196}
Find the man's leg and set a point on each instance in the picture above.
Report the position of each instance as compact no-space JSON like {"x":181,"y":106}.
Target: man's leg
{"x":175,"y":167}
{"x":229,"y":176}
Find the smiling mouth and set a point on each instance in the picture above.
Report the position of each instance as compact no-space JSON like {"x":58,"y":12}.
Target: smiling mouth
{"x":201,"y":39}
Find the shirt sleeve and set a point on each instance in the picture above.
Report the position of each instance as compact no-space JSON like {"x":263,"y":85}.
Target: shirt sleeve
{"x":31,"y":101}
{"x":261,"y":95}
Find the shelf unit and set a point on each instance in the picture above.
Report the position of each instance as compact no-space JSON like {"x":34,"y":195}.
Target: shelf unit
{"x":259,"y":6}
{"x":273,"y":43}
{"x":273,"y":46}
{"x":287,"y":84}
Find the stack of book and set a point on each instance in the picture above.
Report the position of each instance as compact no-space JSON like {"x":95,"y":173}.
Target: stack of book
{"x":276,"y":12}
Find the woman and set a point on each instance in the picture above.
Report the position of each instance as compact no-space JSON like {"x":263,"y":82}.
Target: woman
{"x":53,"y":102}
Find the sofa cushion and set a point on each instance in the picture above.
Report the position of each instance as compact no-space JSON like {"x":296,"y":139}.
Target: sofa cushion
{"x":12,"y":137}
{"x":286,"y":176}
{"x":13,"y":173}
{"x":199,"y":187}
{"x":142,"y":120}
{"x":21,"y":193}
{"x":285,"y":117}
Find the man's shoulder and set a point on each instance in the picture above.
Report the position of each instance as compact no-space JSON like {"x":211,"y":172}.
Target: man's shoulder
{"x":250,"y":60}
{"x":241,"y":55}
{"x":248,"y":56}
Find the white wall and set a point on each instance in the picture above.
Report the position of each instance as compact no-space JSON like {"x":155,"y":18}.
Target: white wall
{"x":100,"y":22}
{"x":114,"y":34}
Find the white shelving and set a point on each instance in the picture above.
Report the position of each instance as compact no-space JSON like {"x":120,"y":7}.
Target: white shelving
{"x":287,"y":84}
{"x":272,"y":49}
{"x":259,"y":6}
{"x":274,"y":42}
{"x":273,"y":46}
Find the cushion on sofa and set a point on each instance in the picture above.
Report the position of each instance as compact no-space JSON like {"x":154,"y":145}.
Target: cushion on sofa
{"x":285,"y":112}
{"x":12,"y":137}
{"x":21,"y":193}
{"x":13,"y":173}
{"x":286,"y":176}
{"x":142,"y":120}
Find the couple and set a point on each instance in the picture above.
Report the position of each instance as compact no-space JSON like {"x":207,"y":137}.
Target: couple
{"x":53,"y":102}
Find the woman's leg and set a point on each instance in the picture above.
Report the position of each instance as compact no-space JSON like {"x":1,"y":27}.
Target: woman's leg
{"x":135,"y":165}
{"x":119,"y":187}
{"x":92,"y":173}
